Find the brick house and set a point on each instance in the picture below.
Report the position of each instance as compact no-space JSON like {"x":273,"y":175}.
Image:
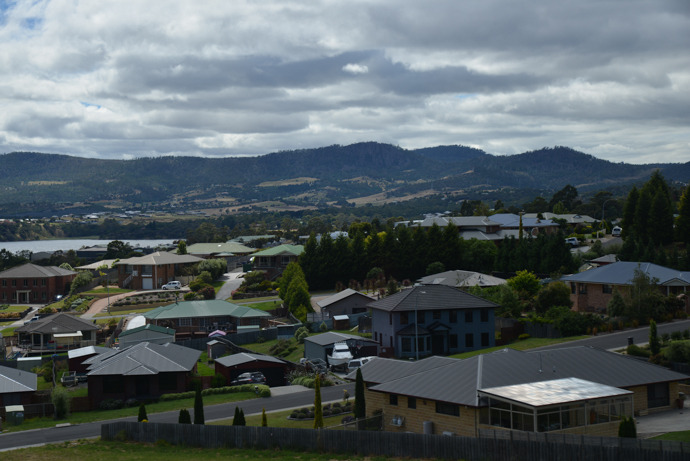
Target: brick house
{"x":32,"y":284}
{"x":576,"y":390}
{"x":591,"y":290}
{"x":439,"y":319}
{"x":143,"y":371}
{"x":152,"y":271}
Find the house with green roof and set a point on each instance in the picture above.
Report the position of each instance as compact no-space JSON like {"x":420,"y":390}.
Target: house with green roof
{"x":274,"y":260}
{"x":198,"y":318}
{"x":234,"y":253}
{"x":146,"y":333}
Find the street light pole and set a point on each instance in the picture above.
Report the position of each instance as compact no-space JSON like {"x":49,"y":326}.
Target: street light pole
{"x":416,"y":323}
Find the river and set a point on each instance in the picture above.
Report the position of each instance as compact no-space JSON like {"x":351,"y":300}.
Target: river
{"x":52,"y":246}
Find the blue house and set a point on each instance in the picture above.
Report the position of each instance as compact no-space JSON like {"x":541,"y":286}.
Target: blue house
{"x":432,"y":320}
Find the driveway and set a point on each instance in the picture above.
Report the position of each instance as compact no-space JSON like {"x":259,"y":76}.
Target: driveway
{"x":661,"y":423}
{"x":232,"y":282}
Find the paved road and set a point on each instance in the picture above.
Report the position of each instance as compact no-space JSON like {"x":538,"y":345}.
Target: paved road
{"x":619,"y":340}
{"x":286,"y":401}
{"x":232,"y":282}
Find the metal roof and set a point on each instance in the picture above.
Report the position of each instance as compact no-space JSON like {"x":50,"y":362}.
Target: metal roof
{"x":294,"y":250}
{"x":431,"y":297}
{"x":57,"y":323}
{"x":339,"y":296}
{"x":151,"y":327}
{"x":243,"y":357}
{"x":29,"y":270}
{"x":203,"y":308}
{"x":457,"y":381}
{"x":554,"y":392}
{"x":214,"y":248}
{"x":331,"y":337}
{"x":144,"y":359}
{"x":622,"y":273}
{"x":84,"y":351}
{"x":460,"y":278}
{"x":160,"y":258}
{"x":14,"y":380}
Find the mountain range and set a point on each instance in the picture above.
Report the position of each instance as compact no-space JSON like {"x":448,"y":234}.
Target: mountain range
{"x":355,"y":174}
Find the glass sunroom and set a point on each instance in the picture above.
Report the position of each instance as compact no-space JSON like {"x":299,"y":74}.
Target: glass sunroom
{"x":553,"y":405}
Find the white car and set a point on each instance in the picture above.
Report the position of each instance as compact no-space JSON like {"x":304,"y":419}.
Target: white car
{"x":572,"y":241}
{"x":174,"y":285}
{"x":356,"y":363}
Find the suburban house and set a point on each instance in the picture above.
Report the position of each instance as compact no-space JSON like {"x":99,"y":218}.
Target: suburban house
{"x":573,"y":220}
{"x":345,"y":302}
{"x":577,"y":390}
{"x":16,"y":386}
{"x":492,"y":228}
{"x":32,"y":284}
{"x":143,"y":371}
{"x":273,"y":368}
{"x":56,"y":332}
{"x":462,"y":279}
{"x":146,"y":333}
{"x":199,"y":318}
{"x":152,"y":271}
{"x":274,"y":260}
{"x":233,"y":253}
{"x":321,"y":346}
{"x":592,"y":289}
{"x":432,"y":320}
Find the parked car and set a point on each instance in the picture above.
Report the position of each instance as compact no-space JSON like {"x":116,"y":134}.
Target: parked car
{"x":616,"y":231}
{"x":252,"y":377}
{"x":573,"y":242}
{"x":356,"y":363}
{"x":174,"y":285}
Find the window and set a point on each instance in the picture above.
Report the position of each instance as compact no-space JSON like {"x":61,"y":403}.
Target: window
{"x":35,"y":282}
{"x":485,"y":339}
{"x":4,"y":282}
{"x":411,"y":402}
{"x":185,"y":322}
{"x":390,"y":319}
{"x":447,"y":409}
{"x":453,"y":341}
{"x":484,"y":315}
{"x":14,"y":282}
{"x":469,"y":340}
{"x":114,"y":384}
{"x":44,"y":282}
{"x":420,"y":316}
{"x":583,"y":288}
{"x":607,"y":289}
{"x":468,"y":316}
{"x":404,"y":320}
{"x":437,"y":315}
{"x":407,"y":344}
{"x":393,"y":399}
{"x":44,"y":295}
{"x":453,"y":316}
{"x":26,"y":283}
{"x":572,"y":288}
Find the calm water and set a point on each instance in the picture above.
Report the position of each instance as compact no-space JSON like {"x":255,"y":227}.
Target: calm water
{"x":73,"y":244}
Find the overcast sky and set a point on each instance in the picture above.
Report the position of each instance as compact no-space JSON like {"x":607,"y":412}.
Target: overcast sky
{"x":124,"y":79}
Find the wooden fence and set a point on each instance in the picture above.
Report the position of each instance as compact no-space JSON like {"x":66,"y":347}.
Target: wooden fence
{"x":393,"y":444}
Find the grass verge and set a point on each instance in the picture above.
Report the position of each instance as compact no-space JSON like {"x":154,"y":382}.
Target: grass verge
{"x":680,"y":436}
{"x":128,"y":451}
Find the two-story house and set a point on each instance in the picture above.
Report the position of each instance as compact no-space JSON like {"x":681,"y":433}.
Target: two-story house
{"x":432,"y":319}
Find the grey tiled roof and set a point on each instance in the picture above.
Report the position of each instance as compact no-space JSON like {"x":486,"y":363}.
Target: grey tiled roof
{"x":457,"y":381}
{"x":622,"y":273}
{"x":144,"y":359}
{"x":34,"y":271}
{"x":57,"y":323}
{"x":13,"y":380}
{"x":430,"y":297}
{"x":243,"y":357}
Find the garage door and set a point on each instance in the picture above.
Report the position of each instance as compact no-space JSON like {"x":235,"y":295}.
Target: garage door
{"x":147,"y":284}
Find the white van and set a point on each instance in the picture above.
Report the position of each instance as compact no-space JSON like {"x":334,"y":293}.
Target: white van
{"x":616,"y":231}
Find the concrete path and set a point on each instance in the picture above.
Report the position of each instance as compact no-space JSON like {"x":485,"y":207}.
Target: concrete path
{"x":232,"y":282}
{"x":101,"y":305}
{"x":663,"y":422}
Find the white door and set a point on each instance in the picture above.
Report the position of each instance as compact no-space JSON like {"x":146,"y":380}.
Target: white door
{"x":147,"y":283}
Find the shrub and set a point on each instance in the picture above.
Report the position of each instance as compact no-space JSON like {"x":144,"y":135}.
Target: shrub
{"x":676,"y":336}
{"x":218,"y":380}
{"x":524,"y":336}
{"x":185,"y":417}
{"x":142,"y":414}
{"x":61,"y":401}
{"x":301,"y":333}
{"x":637,"y":351}
{"x":111,"y":404}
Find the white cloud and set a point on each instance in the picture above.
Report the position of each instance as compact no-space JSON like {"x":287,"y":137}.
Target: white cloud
{"x":123,"y":78}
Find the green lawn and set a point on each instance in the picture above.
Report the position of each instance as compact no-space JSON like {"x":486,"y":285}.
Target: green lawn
{"x":263,"y":348}
{"x":280,"y":419}
{"x":263,"y":306}
{"x":13,"y":308}
{"x":681,"y":436}
{"x":122,"y":310}
{"x":127,"y":451}
{"x":100,"y":415}
{"x":521,"y":345}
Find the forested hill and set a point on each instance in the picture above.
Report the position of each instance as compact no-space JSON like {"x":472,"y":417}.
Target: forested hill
{"x":322,"y":175}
